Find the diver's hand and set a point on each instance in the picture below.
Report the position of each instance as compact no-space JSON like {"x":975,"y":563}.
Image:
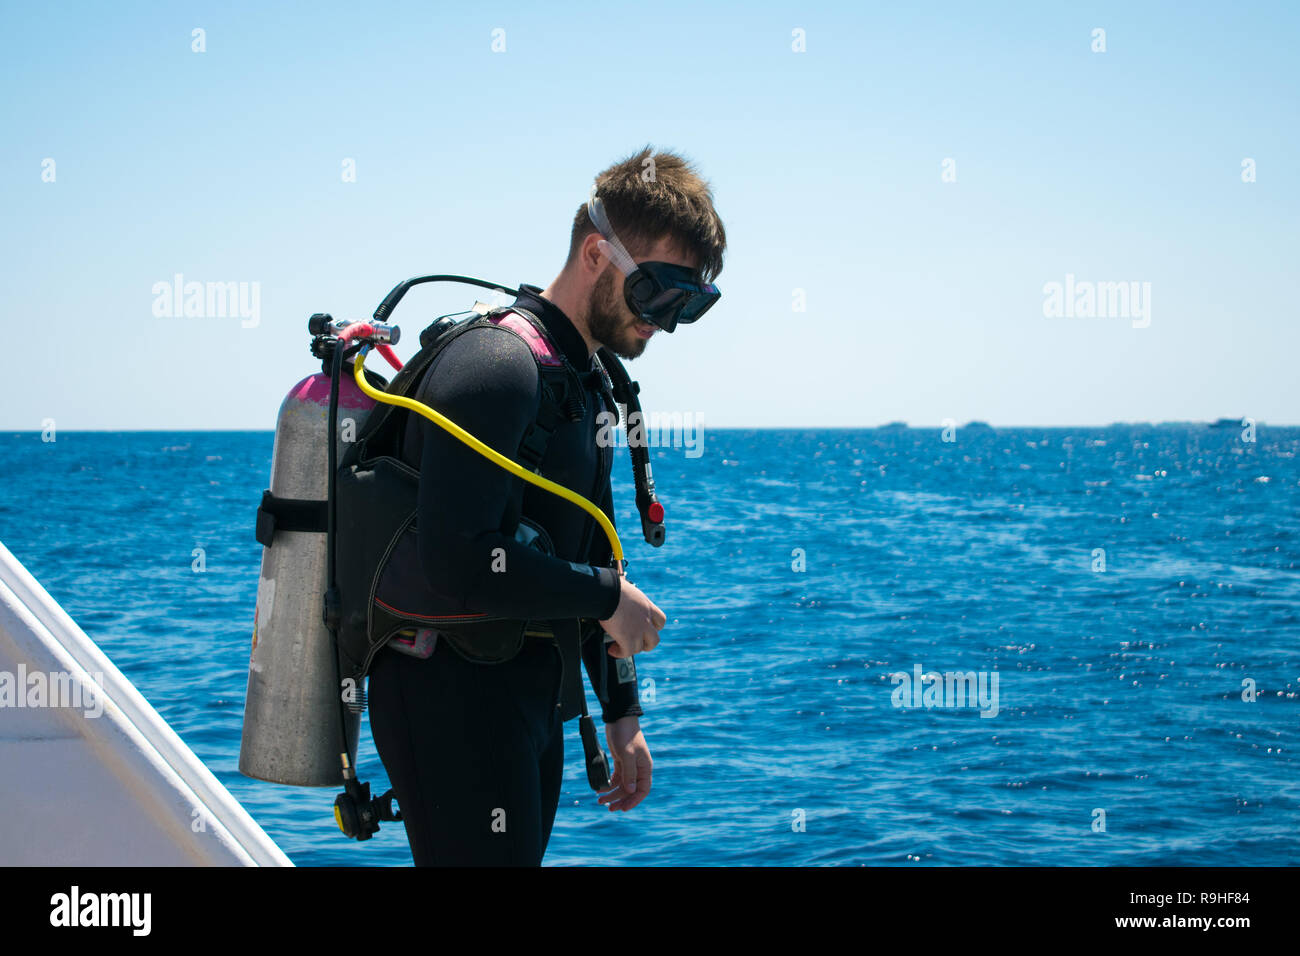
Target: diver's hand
{"x":635,"y":624}
{"x":631,"y":779}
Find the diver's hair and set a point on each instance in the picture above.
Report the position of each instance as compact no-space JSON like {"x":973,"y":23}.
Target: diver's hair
{"x":651,"y":196}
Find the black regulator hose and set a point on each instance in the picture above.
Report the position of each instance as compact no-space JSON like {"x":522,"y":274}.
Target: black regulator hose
{"x":626,"y":393}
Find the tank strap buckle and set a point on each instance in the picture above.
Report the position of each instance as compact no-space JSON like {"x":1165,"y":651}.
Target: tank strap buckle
{"x":288,"y":514}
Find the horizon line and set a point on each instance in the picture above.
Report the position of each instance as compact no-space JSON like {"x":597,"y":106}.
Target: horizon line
{"x":898,"y":426}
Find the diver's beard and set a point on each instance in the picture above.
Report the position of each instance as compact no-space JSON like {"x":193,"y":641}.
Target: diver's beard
{"x":608,"y":323}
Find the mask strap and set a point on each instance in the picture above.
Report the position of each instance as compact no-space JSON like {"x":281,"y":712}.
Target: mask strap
{"x":610,"y":245}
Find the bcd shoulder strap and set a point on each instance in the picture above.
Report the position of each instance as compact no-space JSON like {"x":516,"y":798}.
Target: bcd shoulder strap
{"x":561,"y":392}
{"x":382,"y":431}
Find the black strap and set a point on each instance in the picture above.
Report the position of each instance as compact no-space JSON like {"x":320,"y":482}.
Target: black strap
{"x":600,"y":378}
{"x":573,"y":701}
{"x":602,"y":684}
{"x":288,"y":514}
{"x":551,"y":413}
{"x":568,"y":636}
{"x":561,"y":398}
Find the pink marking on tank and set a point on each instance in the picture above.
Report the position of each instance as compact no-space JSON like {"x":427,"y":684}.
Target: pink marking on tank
{"x":316,"y":389}
{"x":541,"y":347}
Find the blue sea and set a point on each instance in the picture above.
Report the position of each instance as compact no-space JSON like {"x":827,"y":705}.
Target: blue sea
{"x":1134,"y":590}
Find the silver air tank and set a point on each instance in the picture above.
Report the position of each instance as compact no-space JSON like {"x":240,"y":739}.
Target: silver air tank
{"x":291,"y":714}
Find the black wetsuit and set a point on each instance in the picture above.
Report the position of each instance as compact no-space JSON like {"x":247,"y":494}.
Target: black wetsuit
{"x":475,"y":751}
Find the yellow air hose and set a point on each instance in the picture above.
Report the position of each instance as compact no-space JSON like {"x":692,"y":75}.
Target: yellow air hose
{"x":358,"y":367}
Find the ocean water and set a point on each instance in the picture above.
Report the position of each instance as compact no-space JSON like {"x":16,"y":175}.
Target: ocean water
{"x":1126,"y":586}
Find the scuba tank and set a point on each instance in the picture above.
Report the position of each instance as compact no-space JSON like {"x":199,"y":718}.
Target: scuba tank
{"x":302,"y":712}
{"x":292,"y":733}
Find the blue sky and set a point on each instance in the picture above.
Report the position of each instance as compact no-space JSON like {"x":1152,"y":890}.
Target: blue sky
{"x":924,"y":298}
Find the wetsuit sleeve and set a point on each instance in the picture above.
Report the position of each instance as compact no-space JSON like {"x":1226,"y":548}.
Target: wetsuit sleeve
{"x":623,"y":698}
{"x":486,"y":381}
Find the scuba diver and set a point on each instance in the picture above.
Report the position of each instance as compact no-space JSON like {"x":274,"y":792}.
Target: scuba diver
{"x":468,"y":720}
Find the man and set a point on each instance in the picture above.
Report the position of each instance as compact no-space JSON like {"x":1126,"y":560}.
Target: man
{"x":472,"y":736}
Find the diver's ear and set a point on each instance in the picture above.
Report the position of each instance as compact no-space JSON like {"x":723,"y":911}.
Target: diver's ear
{"x":590,"y":256}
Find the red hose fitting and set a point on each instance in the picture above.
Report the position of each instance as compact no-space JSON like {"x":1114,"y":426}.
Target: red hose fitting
{"x":355,"y":330}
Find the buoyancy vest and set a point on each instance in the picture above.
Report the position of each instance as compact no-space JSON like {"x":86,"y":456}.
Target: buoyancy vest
{"x":382,"y":590}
